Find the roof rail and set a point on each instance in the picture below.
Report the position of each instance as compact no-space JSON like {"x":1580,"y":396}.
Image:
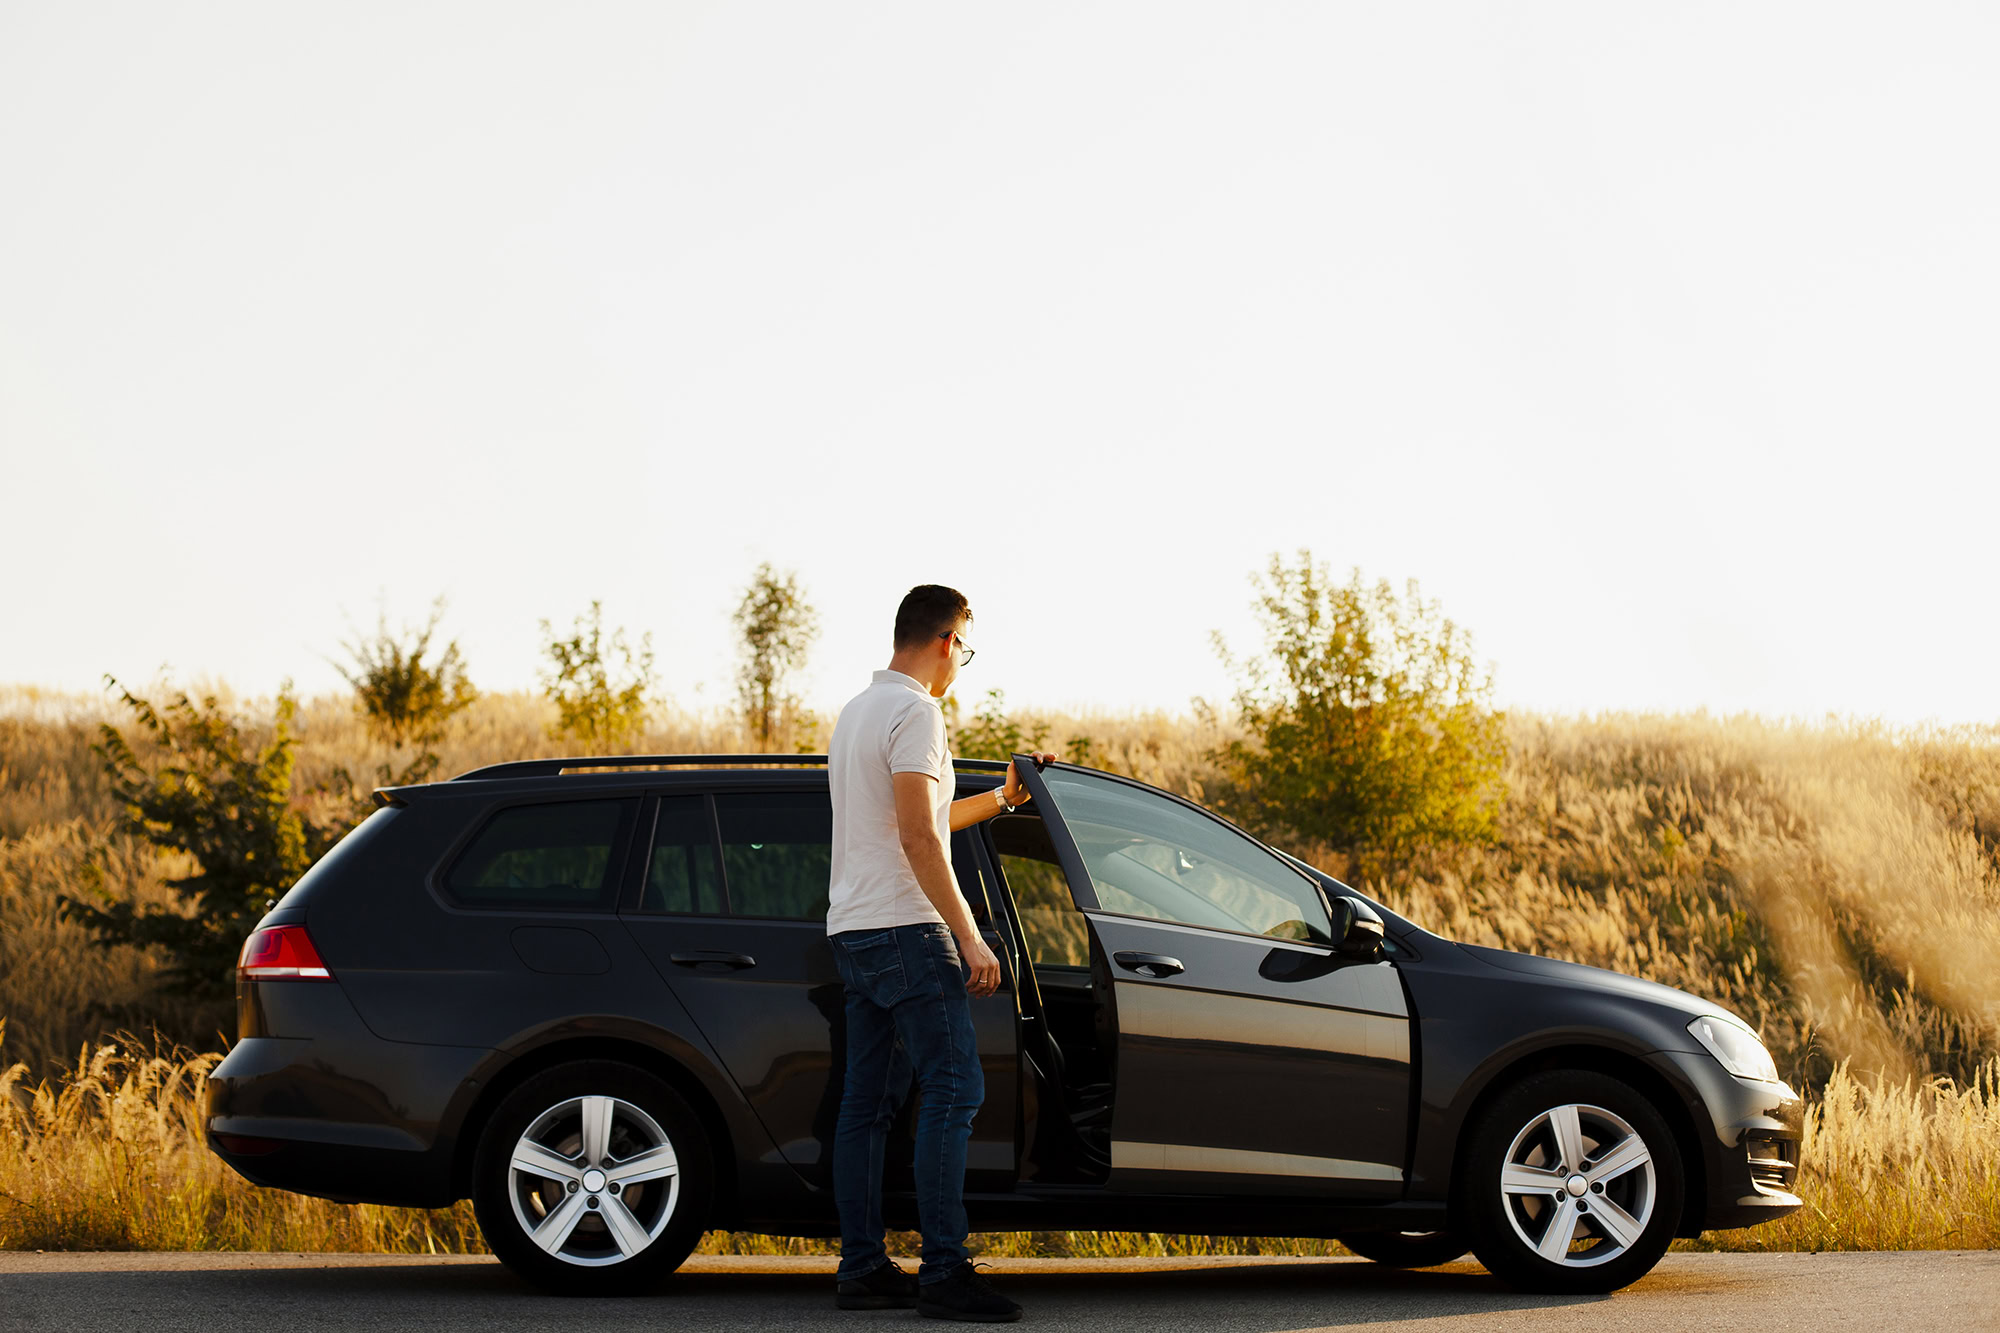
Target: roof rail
{"x":549,"y":768}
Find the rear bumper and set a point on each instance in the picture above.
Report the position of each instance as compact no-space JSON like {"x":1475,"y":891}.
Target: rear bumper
{"x":1749,"y":1143}
{"x":342,"y":1114}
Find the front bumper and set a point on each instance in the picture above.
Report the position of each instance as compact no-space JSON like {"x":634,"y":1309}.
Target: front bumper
{"x":1750,"y":1135}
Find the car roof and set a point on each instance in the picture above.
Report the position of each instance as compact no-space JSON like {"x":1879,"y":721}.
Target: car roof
{"x":621,"y":772}
{"x":608,"y":763}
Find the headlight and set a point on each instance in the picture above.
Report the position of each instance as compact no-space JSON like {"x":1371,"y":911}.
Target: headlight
{"x":1736,"y":1047}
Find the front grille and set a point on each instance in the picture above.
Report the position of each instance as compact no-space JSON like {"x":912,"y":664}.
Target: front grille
{"x":1774,"y":1163}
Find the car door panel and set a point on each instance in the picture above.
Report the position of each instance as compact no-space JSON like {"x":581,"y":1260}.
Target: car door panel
{"x":765,"y":993}
{"x":1244,"y":1063}
{"x":1224,"y":1074}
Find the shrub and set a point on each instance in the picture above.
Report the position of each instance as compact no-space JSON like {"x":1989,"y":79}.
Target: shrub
{"x":405,"y":700}
{"x":604,"y":713}
{"x":226,"y":802}
{"x":1367,"y":724}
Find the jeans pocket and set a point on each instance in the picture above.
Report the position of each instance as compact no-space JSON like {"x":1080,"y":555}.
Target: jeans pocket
{"x":876,"y":961}
{"x":944,"y":944}
{"x":937,"y":957}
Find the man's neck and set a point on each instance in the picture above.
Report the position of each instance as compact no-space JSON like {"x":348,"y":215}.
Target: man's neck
{"x":916,"y":670}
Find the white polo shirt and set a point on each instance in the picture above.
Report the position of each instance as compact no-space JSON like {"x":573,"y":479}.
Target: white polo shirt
{"x":893,"y":726}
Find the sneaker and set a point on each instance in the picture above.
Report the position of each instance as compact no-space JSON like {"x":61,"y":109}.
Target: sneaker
{"x":964,"y":1295}
{"x":887,"y":1288}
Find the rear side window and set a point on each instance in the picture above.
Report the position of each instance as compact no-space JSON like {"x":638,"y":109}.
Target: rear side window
{"x":776,"y":857}
{"x":680,"y":877}
{"x":777,"y":852}
{"x":563,"y":855}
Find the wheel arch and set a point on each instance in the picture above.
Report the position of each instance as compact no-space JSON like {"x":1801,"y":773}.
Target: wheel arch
{"x":624,"y":1050}
{"x":1644,"y":1077}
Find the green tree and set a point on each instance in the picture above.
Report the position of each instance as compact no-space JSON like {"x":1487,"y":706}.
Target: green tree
{"x":776,"y":626}
{"x":223,"y":799}
{"x":404,"y":699}
{"x":602,"y":710}
{"x":1369,"y":724}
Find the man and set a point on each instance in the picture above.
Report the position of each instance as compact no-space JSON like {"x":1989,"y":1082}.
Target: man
{"x":909,"y":953}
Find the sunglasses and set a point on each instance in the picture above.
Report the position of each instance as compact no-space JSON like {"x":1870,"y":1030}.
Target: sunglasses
{"x":963,"y":646}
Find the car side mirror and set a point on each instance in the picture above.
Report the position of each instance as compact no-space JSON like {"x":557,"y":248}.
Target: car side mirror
{"x":1357,"y":929}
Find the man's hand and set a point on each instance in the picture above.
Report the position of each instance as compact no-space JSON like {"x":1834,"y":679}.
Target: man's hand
{"x":985,"y":978}
{"x":1013,"y":789}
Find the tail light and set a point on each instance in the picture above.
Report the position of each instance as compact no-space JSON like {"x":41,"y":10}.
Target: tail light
{"x":280,"y":953}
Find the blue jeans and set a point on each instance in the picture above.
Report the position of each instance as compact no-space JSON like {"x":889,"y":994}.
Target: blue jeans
{"x":906,"y":1007}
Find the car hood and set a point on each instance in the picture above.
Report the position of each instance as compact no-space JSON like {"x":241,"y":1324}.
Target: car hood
{"x":1597,"y":978}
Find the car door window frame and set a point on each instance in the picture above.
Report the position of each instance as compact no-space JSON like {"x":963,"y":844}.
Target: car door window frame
{"x":1083,"y":886}
{"x":722,"y":860}
{"x":632,"y":898}
{"x":1011,"y":890}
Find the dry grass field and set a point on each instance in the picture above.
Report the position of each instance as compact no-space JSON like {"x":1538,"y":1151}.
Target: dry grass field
{"x":108,"y":1155}
{"x":1837,"y":884}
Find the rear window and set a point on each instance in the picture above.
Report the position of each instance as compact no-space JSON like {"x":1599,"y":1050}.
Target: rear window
{"x":562,"y":855}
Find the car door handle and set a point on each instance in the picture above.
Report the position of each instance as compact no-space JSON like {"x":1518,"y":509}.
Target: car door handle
{"x":736,"y":962}
{"x":1149,"y":964}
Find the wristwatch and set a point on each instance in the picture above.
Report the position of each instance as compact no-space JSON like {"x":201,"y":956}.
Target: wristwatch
{"x":1000,"y":799}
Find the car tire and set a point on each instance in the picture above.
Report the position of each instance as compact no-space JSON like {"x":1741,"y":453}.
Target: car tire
{"x":1406,"y":1249}
{"x":1597,"y":1223}
{"x":593,"y":1178}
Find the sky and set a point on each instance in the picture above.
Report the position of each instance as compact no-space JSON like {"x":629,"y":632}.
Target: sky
{"x":1656,"y":342}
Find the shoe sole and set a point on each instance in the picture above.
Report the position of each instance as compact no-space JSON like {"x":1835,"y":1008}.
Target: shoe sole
{"x":875,"y":1302}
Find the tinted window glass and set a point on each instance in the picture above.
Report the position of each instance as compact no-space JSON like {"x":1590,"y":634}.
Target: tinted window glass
{"x":1051,"y":926}
{"x":561,"y":855}
{"x":680,"y":874}
{"x":777,"y":853}
{"x":1151,"y":856}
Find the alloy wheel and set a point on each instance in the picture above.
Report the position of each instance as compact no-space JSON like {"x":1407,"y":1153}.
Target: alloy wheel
{"x":1578,"y":1185}
{"x":594,"y":1180}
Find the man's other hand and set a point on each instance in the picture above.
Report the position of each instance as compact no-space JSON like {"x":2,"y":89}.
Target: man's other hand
{"x":1013,"y":790}
{"x":985,"y":978}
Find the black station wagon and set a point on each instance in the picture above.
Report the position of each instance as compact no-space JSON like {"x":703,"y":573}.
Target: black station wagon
{"x":595,"y":996}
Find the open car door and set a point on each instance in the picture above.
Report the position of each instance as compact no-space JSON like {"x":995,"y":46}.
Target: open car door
{"x":1251,"y":1055}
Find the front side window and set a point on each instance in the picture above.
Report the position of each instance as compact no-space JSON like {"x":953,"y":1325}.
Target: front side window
{"x":777,"y":852}
{"x":561,"y":855}
{"x":1151,"y":856}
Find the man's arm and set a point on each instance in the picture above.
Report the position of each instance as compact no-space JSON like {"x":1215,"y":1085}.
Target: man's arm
{"x":969,"y":810}
{"x":916,"y":826}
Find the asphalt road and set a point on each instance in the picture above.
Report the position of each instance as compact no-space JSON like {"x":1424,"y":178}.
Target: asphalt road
{"x":1756,"y":1293}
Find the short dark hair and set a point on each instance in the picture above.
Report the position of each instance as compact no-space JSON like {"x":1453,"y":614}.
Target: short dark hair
{"x":928,"y":610}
